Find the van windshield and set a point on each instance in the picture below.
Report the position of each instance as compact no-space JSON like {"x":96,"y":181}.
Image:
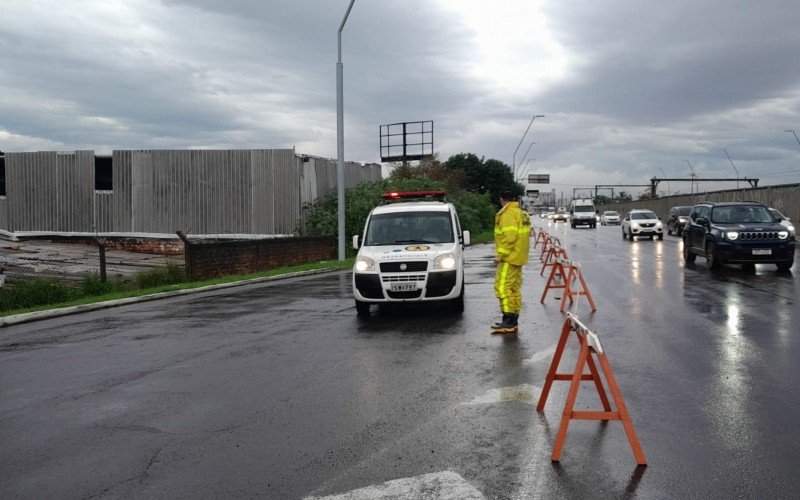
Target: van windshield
{"x":584,"y":208}
{"x":409,"y":227}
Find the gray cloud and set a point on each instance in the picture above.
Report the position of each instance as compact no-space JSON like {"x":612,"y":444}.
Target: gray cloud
{"x":645,"y":84}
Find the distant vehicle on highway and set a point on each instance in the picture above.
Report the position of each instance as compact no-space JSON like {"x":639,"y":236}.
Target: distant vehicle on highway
{"x":642,"y":223}
{"x":582,"y":212}
{"x":677,"y":218}
{"x":743,"y":232}
{"x":609,"y":217}
{"x":561,"y":215}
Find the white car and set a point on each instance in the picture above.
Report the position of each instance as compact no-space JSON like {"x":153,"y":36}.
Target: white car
{"x":410,"y":251}
{"x":642,"y":223}
{"x":609,"y":217}
{"x":783,"y":220}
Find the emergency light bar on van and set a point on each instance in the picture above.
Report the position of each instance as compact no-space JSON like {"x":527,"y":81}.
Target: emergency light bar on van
{"x":391,"y":196}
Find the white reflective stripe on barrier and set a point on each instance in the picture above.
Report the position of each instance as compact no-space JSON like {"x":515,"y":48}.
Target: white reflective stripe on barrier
{"x":583,"y":330}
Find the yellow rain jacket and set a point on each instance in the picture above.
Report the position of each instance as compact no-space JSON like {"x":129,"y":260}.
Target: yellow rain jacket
{"x":512,"y":233}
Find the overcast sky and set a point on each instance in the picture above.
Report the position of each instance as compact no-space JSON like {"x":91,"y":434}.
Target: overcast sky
{"x":629,"y":89}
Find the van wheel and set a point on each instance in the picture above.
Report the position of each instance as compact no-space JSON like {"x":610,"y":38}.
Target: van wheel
{"x":362,"y":308}
{"x":457,"y":304}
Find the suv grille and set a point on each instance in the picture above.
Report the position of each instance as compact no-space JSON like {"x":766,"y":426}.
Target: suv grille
{"x":758,"y":235}
{"x":411,"y":267}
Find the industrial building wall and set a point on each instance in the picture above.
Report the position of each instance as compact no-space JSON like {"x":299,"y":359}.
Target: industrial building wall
{"x":196,"y":191}
{"x":162,"y":191}
{"x":3,"y":213}
{"x":50,"y":191}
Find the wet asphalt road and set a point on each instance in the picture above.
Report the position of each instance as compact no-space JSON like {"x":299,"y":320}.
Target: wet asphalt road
{"x":279,"y":390}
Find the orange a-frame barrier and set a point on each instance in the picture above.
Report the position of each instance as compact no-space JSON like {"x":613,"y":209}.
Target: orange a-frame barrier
{"x":549,"y":242}
{"x":541,"y":237}
{"x":569,"y":271}
{"x":569,"y":292}
{"x":590,"y":348}
{"x":552,"y":256}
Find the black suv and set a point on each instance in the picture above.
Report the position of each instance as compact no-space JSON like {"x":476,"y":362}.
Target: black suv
{"x":677,"y":219}
{"x":737,"y":233}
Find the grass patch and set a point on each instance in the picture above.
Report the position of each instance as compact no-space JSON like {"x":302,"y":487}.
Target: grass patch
{"x":119,"y":290}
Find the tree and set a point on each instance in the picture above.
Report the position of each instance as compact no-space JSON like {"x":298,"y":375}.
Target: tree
{"x":622,"y":197}
{"x":485,"y":176}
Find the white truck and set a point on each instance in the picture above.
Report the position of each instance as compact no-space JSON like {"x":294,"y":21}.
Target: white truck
{"x":410,"y":251}
{"x":582,"y":212}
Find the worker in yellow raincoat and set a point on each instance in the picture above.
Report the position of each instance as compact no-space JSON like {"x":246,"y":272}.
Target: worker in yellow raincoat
{"x":512,"y":232}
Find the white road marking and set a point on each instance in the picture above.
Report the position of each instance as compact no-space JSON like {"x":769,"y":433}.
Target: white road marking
{"x":525,"y":393}
{"x":446,"y":485}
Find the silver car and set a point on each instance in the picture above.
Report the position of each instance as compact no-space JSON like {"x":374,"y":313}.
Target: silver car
{"x":609,"y":217}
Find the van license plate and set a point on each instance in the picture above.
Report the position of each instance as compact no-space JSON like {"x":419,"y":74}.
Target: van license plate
{"x":403,"y":287}
{"x":762,"y":251}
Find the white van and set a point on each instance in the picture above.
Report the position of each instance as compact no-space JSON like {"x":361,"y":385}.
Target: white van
{"x":582,"y":212}
{"x":410,"y":251}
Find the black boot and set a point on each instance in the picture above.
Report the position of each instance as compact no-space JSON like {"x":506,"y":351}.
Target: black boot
{"x":501,"y":322}
{"x":508,"y":325}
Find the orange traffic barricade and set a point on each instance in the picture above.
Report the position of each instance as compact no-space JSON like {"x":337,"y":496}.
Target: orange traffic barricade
{"x":571,"y":292}
{"x":541,"y":237}
{"x":553,"y":255}
{"x":590,"y":349}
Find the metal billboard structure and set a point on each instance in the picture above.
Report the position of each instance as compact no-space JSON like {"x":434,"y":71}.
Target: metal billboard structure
{"x":538,"y":178}
{"x":406,"y":141}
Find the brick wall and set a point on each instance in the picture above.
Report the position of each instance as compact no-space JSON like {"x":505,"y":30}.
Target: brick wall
{"x":156,"y":246}
{"x":211,"y":260}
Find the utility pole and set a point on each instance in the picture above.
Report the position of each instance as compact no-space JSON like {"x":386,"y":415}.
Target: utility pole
{"x":734,"y":167}
{"x":694,"y":176}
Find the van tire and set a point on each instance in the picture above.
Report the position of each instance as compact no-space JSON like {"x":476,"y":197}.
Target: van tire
{"x":457,"y":304}
{"x":362,"y":308}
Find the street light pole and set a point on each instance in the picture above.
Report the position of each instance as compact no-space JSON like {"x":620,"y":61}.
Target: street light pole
{"x":514,"y":156}
{"x":734,"y":167}
{"x":694,"y":176}
{"x":340,"y":135}
{"x":795,"y":135}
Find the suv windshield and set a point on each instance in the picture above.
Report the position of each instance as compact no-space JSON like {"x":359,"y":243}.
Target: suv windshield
{"x":741,"y":214}
{"x":643,"y":215}
{"x":409,"y":227}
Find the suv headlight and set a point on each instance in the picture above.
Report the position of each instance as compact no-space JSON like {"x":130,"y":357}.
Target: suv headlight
{"x":681,"y":219}
{"x":783,"y":234}
{"x":659,"y":224}
{"x":445,"y":261}
{"x":732,"y":235}
{"x":364,"y":264}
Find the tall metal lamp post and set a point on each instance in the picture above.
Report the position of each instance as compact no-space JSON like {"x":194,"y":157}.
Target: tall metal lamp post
{"x":514,"y":156}
{"x":340,"y":135}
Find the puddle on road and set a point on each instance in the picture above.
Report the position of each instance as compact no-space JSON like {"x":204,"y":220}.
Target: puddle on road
{"x":544,"y":355}
{"x":525,"y":393}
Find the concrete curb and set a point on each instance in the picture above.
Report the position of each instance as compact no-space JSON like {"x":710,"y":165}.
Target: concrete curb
{"x":66,"y":311}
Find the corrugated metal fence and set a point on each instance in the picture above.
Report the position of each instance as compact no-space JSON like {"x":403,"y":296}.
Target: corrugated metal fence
{"x":784,"y":197}
{"x":161,"y":191}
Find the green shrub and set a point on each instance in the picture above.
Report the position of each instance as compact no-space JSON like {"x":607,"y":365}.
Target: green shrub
{"x":92,"y":285}
{"x":169,"y":274}
{"x":40,"y":291}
